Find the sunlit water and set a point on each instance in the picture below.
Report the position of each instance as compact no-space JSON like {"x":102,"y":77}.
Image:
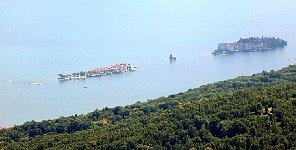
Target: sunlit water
{"x":39,"y":39}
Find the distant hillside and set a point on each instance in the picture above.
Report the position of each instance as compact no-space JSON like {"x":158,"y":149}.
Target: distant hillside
{"x":249,"y":112}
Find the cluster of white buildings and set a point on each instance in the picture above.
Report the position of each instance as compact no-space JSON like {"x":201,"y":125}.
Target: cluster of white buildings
{"x":123,"y":67}
{"x":98,"y":72}
{"x":5,"y":127}
{"x":243,"y":46}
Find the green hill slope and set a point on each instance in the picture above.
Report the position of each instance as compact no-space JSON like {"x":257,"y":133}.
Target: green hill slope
{"x":251,"y":112}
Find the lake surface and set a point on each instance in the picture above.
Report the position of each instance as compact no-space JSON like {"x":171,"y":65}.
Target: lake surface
{"x":39,"y":39}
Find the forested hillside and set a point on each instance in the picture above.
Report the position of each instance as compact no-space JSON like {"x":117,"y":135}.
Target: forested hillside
{"x":250,"y":112}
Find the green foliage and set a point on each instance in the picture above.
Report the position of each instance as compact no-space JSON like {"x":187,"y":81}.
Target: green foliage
{"x":256,"y":112}
{"x":273,"y":42}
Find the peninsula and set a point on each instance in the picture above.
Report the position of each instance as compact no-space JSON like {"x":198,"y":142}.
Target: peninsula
{"x":99,"y":72}
{"x":251,"y":44}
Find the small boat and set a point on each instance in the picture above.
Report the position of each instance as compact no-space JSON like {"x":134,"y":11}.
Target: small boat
{"x":133,"y":68}
{"x":85,"y":87}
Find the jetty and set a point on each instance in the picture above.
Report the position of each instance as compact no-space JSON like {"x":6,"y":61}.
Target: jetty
{"x":252,"y":44}
{"x":99,"y":72}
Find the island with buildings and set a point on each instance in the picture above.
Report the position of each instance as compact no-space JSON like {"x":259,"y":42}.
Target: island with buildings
{"x":99,"y":72}
{"x":252,"y":44}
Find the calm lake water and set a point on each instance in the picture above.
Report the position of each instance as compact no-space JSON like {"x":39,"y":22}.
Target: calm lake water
{"x":39,"y":39}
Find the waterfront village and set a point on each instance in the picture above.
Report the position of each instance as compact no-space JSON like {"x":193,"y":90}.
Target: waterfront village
{"x":99,"y":72}
{"x":252,"y":44}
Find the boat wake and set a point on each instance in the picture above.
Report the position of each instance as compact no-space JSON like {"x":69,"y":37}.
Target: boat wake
{"x":18,"y":82}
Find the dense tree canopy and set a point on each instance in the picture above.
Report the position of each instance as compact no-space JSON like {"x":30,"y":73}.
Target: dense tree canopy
{"x":250,"y":112}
